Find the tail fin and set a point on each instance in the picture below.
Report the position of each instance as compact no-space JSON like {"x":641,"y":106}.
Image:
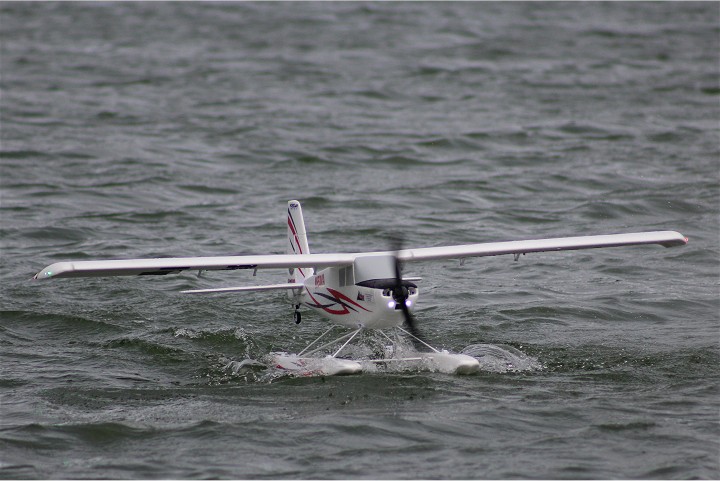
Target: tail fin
{"x":297,"y":239}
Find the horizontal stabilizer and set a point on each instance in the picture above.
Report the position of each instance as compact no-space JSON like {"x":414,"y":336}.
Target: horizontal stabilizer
{"x":271,"y":287}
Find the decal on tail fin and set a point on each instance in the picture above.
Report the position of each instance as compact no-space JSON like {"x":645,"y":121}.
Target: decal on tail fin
{"x":297,"y":240}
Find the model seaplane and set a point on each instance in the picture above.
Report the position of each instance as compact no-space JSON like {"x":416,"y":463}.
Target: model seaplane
{"x":357,"y":291}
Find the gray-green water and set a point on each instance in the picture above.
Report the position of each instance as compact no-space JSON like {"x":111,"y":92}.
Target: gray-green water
{"x":147,"y":129}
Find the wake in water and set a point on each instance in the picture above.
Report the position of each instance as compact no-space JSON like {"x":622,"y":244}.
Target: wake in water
{"x":250,"y":370}
{"x":373,"y":346}
{"x":502,"y":358}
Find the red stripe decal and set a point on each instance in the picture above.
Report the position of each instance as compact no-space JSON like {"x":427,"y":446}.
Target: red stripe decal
{"x":291,"y":225}
{"x":340,"y":299}
{"x":345,"y":298}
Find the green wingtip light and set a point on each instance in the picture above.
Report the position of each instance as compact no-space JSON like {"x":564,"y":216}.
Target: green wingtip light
{"x":48,"y":273}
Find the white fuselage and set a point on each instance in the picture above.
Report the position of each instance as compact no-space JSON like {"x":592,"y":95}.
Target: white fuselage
{"x":332,"y":293}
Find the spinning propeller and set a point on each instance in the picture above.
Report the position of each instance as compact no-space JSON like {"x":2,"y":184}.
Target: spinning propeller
{"x":400,"y":293}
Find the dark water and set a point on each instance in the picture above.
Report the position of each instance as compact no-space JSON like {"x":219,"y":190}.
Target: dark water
{"x":147,"y":129}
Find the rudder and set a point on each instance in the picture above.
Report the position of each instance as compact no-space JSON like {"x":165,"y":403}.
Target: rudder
{"x":297,"y":239}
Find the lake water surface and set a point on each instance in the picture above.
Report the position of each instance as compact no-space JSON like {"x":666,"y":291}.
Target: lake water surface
{"x":181,"y":129}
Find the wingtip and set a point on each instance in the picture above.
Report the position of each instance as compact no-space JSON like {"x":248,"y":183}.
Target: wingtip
{"x":39,"y":276}
{"x":59,"y":269}
{"x":677,"y":240}
{"x":683,"y":239}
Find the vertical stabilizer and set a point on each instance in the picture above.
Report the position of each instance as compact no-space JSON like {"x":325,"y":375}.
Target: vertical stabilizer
{"x":297,"y":239}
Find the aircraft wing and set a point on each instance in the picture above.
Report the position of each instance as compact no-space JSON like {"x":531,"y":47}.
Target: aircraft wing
{"x":663,"y":238}
{"x":172,"y":265}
